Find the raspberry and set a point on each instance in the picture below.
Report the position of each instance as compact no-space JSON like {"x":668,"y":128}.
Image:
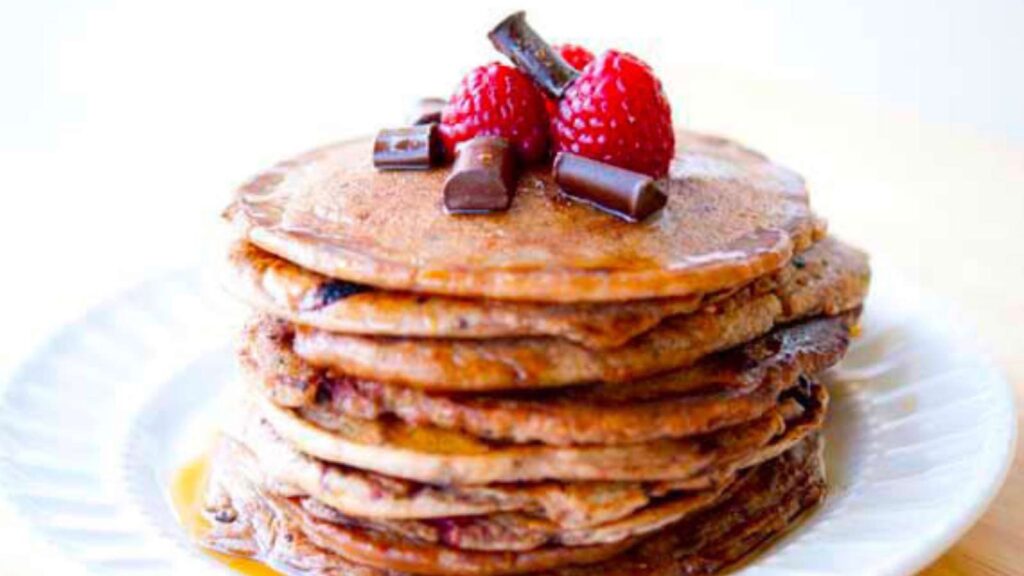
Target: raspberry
{"x":497,"y":100}
{"x":616,"y":112}
{"x":577,"y":57}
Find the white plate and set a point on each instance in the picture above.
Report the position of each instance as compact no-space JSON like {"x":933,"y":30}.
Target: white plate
{"x":91,"y":429}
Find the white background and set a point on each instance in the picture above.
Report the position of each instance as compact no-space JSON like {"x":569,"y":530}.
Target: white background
{"x":124,"y":126}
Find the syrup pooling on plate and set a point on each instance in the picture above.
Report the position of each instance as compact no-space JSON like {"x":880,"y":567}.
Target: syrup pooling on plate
{"x":187,"y":487}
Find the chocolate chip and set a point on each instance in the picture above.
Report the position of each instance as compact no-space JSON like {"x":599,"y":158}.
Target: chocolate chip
{"x":802,"y":392}
{"x":414,"y":148}
{"x":623,"y":193}
{"x":331,"y":291}
{"x":324,"y":392}
{"x":483,"y":178}
{"x":225,"y":515}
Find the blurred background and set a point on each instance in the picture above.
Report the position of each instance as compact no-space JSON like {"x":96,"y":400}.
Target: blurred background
{"x":124,"y":126}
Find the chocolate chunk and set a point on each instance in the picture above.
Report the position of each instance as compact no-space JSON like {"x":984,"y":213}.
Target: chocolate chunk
{"x":330,"y":292}
{"x":427,"y":111}
{"x":414,"y":148}
{"x":225,"y":515}
{"x":802,"y":393}
{"x":624,"y":193}
{"x":483,"y":178}
{"x":531,"y":54}
{"x":324,"y":392}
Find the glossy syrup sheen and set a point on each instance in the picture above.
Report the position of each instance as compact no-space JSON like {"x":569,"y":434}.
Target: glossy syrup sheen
{"x":732,"y":215}
{"x":187,"y":498}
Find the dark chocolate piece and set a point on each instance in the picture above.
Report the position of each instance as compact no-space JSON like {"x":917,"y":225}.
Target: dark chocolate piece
{"x":624,"y":193}
{"x":414,"y":148}
{"x":483,"y":178}
{"x":803,"y":393}
{"x":330,"y":292}
{"x":225,"y":515}
{"x":427,"y":111}
{"x":531,"y":54}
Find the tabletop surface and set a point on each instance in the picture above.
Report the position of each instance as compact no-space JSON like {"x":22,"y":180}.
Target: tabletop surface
{"x":942,"y":205}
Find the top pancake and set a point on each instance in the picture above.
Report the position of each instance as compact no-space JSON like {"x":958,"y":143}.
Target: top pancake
{"x":732,"y":216}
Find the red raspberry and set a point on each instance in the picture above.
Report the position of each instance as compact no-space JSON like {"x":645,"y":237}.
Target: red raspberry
{"x":497,"y":100}
{"x":577,"y":57}
{"x":616,"y":112}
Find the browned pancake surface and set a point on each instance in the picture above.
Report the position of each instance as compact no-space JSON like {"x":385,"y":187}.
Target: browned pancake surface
{"x":827,"y":279}
{"x":721,"y":390}
{"x":760,"y":504}
{"x":237,"y":493}
{"x":285,"y":290}
{"x":759,"y":507}
{"x":566,"y":505}
{"x":732,"y":216}
{"x":515,"y":532}
{"x":437,"y":456}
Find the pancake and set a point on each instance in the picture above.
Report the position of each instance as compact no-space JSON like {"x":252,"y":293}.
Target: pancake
{"x":437,"y":456}
{"x":367,"y":494}
{"x":519,"y":532}
{"x":721,"y":390}
{"x":826,"y":281}
{"x":303,"y":297}
{"x":284,"y":290}
{"x":432,"y":455}
{"x":732,"y":216}
{"x":250,"y":521}
{"x":568,"y":506}
{"x":758,"y":508}
{"x":236,"y":488}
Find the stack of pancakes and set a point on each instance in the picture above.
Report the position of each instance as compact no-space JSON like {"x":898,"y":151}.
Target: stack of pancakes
{"x":549,"y":390}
